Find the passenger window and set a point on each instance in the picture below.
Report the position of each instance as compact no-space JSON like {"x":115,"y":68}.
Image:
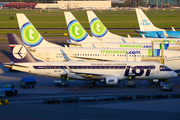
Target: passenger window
{"x":107,"y":67}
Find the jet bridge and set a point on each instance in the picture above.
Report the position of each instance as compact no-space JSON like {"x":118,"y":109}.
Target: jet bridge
{"x":160,"y":59}
{"x":175,"y":48}
{"x":152,"y":58}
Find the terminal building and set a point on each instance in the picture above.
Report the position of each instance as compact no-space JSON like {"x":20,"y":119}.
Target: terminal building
{"x":18,"y":5}
{"x":76,"y":5}
{"x":161,"y":2}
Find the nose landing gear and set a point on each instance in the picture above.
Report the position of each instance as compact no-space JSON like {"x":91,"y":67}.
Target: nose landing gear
{"x":92,"y":84}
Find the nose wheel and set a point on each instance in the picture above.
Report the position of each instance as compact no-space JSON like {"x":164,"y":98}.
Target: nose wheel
{"x":92,"y":84}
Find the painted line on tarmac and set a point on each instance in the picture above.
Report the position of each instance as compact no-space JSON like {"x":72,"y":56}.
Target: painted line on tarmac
{"x":20,"y":102}
{"x":71,"y":95}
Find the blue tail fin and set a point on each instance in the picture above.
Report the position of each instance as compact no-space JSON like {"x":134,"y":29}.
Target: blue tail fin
{"x":18,"y":50}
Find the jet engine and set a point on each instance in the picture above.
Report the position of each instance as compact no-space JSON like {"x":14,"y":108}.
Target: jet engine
{"x":110,"y":80}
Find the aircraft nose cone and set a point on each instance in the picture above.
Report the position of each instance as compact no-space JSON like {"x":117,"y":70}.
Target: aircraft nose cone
{"x":174,"y":74}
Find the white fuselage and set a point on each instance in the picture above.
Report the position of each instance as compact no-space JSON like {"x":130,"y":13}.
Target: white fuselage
{"x":61,"y":54}
{"x":123,"y":45}
{"x":117,"y":39}
{"x":142,"y":70}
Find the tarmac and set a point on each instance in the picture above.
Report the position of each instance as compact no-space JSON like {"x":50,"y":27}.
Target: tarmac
{"x":28,"y":104}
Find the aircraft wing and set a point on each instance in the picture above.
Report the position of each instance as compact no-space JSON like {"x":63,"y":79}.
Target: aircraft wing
{"x":86,"y":75}
{"x":69,"y":43}
{"x":138,"y":31}
{"x":71,"y":54}
{"x":9,"y":65}
{"x":166,"y":35}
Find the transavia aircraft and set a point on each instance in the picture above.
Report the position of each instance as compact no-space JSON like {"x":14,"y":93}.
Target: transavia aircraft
{"x":106,"y":72}
{"x":24,"y":23}
{"x":58,"y":53}
{"x":147,"y":28}
{"x":106,"y":39}
{"x":40,"y":48}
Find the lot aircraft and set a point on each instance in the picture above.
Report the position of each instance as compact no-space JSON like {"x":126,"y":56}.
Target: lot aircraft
{"x":106,"y":72}
{"x":149,"y":30}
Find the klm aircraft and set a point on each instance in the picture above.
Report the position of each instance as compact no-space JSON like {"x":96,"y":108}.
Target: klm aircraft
{"x":147,"y":28}
{"x":110,"y":73}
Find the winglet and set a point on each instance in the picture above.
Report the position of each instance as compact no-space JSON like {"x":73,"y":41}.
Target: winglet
{"x":130,"y":38}
{"x":69,"y":69}
{"x":69,"y":52}
{"x":100,"y":45}
{"x":173,"y":29}
{"x":165,"y":34}
{"x":143,"y":36}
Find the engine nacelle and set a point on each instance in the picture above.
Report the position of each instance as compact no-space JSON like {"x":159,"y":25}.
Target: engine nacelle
{"x":110,"y":80}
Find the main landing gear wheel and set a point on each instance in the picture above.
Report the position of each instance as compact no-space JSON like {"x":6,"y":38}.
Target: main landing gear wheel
{"x":91,"y":85}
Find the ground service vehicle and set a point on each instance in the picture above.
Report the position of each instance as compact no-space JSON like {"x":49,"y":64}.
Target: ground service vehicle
{"x":167,"y":86}
{"x":9,"y":89}
{"x":28,"y":82}
{"x":49,"y":101}
{"x":61,"y":82}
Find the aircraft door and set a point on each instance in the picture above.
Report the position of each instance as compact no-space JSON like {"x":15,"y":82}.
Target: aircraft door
{"x":48,"y":69}
{"x":153,"y":70}
{"x":126,"y":57}
{"x":48,"y":55}
{"x":175,"y":55}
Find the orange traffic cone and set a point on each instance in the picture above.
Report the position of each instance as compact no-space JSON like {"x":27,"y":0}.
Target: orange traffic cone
{"x":122,"y":85}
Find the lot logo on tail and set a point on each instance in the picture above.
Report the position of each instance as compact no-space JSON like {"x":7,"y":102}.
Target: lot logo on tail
{"x":97,"y":28}
{"x":30,"y":35}
{"x":144,"y":22}
{"x":19,"y":51}
{"x":76,"y":31}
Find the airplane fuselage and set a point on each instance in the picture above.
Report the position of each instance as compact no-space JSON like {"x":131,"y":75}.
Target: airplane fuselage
{"x":80,"y":54}
{"x":160,"y":34}
{"x":145,"y":70}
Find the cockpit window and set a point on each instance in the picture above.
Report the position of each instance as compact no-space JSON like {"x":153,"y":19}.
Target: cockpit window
{"x":163,"y":67}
